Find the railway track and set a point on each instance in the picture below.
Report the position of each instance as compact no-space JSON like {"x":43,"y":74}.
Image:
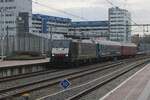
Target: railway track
{"x":4,"y":93}
{"x":38,"y":84}
{"x":27,"y":75}
{"x":77,"y":92}
{"x":15,"y":77}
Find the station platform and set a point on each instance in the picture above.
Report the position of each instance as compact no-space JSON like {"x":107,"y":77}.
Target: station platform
{"x":22,"y":62}
{"x":137,"y":87}
{"x":10,"y":68}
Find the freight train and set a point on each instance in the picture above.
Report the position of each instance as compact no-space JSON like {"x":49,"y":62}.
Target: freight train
{"x":83,"y":51}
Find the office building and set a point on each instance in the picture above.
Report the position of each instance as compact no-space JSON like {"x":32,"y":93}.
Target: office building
{"x":90,"y":29}
{"x":50,"y":24}
{"x":119,"y":24}
{"x":14,"y":13}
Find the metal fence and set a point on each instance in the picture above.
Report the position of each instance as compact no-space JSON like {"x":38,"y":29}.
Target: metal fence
{"x":144,"y":47}
{"x":31,"y":43}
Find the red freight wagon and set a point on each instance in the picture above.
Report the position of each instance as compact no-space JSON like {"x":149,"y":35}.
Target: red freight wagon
{"x":128,"y":49}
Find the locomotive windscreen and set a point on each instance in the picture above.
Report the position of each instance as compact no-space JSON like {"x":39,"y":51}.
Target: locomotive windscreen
{"x":61,"y":43}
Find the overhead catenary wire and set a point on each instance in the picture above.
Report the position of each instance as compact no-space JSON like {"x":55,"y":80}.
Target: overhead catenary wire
{"x":73,"y":15}
{"x":111,"y":3}
{"x":134,"y":23}
{"x":58,"y":10}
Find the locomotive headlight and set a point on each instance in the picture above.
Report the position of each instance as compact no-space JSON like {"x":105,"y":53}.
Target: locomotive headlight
{"x":53,"y":55}
{"x":66,"y":55}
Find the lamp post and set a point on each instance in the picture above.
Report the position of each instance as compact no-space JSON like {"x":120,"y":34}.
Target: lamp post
{"x":50,"y":40}
{"x":7,"y":43}
{"x":42,"y":48}
{"x":1,"y":35}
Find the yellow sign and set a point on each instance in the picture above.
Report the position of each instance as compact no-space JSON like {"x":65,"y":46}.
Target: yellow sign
{"x":26,"y":94}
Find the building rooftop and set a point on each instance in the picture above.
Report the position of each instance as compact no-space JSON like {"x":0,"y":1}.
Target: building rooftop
{"x":50,"y":18}
{"x":119,"y":9}
{"x":90,"y":24}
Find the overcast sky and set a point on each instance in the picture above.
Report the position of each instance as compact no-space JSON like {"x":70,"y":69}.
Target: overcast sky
{"x":94,"y":9}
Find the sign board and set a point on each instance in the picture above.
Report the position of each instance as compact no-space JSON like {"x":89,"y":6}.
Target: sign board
{"x":65,"y":84}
